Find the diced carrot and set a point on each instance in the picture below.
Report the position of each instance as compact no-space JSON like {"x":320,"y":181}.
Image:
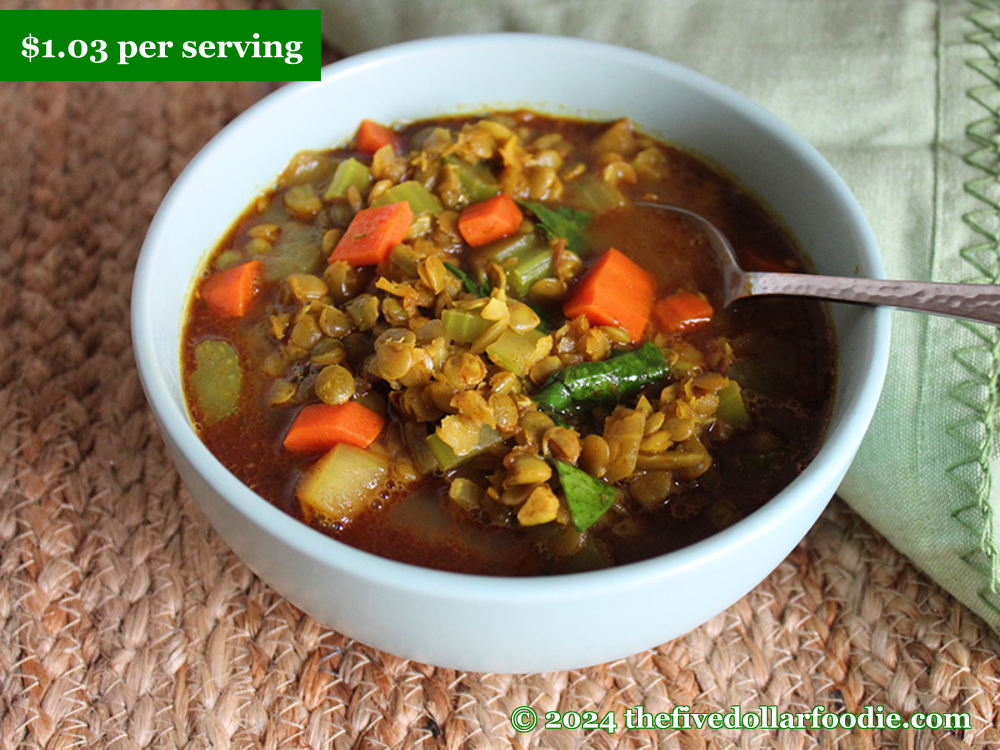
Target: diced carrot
{"x":681,"y":312}
{"x":373,"y":233}
{"x":616,"y":292}
{"x":319,"y":427}
{"x":489,"y":220}
{"x":372,"y":136}
{"x":231,"y":292}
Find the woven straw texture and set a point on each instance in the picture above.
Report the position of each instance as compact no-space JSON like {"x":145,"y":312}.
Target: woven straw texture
{"x":125,"y":622}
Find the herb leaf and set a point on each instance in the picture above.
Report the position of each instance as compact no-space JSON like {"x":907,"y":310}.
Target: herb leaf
{"x":562,"y":222}
{"x":587,"y":498}
{"x":480,"y":289}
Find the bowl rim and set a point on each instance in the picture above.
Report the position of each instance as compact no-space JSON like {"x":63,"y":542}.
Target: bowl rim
{"x":840,"y":439}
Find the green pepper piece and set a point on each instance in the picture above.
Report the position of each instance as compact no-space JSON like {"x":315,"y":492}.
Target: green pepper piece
{"x":611,"y":380}
{"x":586,"y":497}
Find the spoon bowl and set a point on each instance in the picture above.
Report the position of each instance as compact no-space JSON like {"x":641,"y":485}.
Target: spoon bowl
{"x":978,"y":302}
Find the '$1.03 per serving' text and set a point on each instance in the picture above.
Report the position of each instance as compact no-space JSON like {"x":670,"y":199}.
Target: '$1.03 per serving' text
{"x":96,"y":51}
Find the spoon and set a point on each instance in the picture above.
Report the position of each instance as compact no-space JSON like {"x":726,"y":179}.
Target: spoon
{"x":980,"y":302}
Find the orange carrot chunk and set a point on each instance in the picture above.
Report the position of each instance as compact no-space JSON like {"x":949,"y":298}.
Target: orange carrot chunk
{"x":373,"y":233}
{"x":372,"y":136}
{"x":681,"y":312}
{"x":231,"y":292}
{"x":615,"y":292}
{"x":319,"y":427}
{"x":489,"y":220}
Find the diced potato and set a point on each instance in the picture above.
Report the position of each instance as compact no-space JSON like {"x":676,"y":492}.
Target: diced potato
{"x":342,"y":484}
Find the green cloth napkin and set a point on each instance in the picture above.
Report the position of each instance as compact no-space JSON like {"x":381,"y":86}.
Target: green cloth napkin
{"x":901,"y":98}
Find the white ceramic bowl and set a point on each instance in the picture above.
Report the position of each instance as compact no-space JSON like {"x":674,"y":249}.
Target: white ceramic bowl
{"x":506,"y":624}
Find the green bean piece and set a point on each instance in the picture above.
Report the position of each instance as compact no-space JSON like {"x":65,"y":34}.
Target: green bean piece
{"x":611,"y":380}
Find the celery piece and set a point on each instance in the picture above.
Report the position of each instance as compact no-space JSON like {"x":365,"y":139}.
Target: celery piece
{"x":526,"y":257}
{"x":216,"y":380}
{"x":447,"y":458}
{"x":415,"y":439}
{"x":732,"y":408}
{"x":422,"y":201}
{"x":443,"y":454}
{"x":505,"y":252}
{"x":593,"y":194}
{"x":513,"y":350}
{"x":463,"y":326}
{"x":349,"y":172}
{"x":477,"y":182}
{"x":298,"y":250}
{"x":405,"y":259}
{"x":531,"y":267}
{"x":587,"y":498}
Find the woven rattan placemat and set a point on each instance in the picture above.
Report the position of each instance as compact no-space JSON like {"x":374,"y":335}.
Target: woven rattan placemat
{"x":126,"y":622}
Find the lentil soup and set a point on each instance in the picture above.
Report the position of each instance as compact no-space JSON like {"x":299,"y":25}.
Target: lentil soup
{"x":460,"y":343}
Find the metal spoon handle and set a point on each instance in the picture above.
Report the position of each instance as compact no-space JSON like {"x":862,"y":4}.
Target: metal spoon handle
{"x":972,"y":301}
